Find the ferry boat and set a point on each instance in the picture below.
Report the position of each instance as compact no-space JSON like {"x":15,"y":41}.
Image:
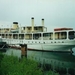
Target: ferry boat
{"x":38,"y":38}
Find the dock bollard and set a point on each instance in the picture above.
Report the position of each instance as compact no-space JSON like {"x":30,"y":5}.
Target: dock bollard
{"x":23,"y":50}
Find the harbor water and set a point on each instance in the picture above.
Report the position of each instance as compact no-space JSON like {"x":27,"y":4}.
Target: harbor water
{"x":64,"y":63}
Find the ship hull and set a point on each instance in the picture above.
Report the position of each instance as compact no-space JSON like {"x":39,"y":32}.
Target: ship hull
{"x":50,"y":47}
{"x":42,"y":45}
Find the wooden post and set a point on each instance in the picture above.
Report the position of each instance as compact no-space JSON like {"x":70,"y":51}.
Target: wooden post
{"x":23,"y":50}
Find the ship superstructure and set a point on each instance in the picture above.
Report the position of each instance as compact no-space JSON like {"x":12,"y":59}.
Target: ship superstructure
{"x":37,"y":37}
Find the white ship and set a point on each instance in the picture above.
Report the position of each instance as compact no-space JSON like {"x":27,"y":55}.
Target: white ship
{"x":38,"y":38}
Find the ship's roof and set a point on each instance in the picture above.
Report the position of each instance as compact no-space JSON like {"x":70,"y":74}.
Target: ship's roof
{"x":31,"y":26}
{"x":60,"y":29}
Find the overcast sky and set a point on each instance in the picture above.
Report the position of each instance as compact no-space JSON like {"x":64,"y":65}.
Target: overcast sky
{"x":57,"y":13}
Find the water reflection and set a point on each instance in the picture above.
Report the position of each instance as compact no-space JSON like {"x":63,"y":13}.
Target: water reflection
{"x":15,"y":52}
{"x":60,"y":61}
{"x":64,"y":63}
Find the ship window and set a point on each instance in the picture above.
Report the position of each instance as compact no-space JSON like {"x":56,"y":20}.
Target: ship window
{"x":71,"y":35}
{"x":54,"y":42}
{"x":28,"y":28}
{"x":2,"y":35}
{"x":21,"y":36}
{"x":36,"y":28}
{"x":60,"y":35}
{"x":44,"y":42}
{"x":28,"y":36}
{"x":24,"y":28}
{"x":47,"y":36}
{"x":64,"y":35}
{"x":37,"y":36}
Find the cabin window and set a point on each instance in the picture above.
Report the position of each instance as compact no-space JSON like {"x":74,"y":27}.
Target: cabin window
{"x":36,"y":28}
{"x":15,"y":36}
{"x":2,"y":35}
{"x":71,"y":35}
{"x":37,"y":36}
{"x":60,"y":35}
{"x":28,"y":36}
{"x":29,"y":28}
{"x":47,"y":36}
{"x":10,"y":35}
{"x":21,"y":36}
{"x":57,"y":35}
{"x":44,"y":42}
{"x":24,"y":28}
{"x":63,"y":35}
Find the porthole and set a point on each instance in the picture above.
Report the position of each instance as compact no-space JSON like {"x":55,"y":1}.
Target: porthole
{"x":62,"y":41}
{"x":44,"y":42}
{"x":55,"y":42}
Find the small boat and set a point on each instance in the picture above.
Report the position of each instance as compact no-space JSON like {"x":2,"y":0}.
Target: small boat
{"x":3,"y":46}
{"x":38,"y":38}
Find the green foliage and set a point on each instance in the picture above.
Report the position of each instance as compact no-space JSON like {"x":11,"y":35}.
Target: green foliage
{"x":11,"y":65}
{"x":51,"y":73}
{"x":1,"y":56}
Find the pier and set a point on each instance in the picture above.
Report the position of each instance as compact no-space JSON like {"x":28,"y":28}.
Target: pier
{"x":23,"y":50}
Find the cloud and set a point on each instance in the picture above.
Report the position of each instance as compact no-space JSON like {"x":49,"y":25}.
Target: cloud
{"x":57,"y":13}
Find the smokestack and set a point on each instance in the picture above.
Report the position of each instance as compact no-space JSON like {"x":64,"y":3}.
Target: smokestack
{"x":15,"y":25}
{"x":32,"y":21}
{"x":43,"y":24}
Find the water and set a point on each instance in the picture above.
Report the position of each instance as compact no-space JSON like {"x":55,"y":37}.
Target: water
{"x":64,"y":63}
{"x":15,"y":52}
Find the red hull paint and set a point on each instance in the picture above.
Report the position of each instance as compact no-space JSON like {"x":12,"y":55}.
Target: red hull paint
{"x":59,"y":29}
